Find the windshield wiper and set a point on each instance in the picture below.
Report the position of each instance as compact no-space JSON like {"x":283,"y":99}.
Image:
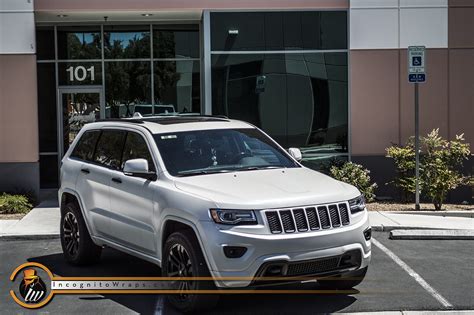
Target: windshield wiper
{"x":201,"y":172}
{"x":261,"y":167}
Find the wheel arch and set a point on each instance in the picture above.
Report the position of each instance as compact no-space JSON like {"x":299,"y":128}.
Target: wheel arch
{"x":175,"y":224}
{"x":68,"y":196}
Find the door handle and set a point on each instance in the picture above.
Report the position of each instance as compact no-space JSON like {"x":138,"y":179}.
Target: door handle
{"x":85,"y":170}
{"x":116,"y":180}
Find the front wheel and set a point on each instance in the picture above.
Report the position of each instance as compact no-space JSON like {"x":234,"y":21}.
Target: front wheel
{"x":182,"y":257}
{"x":344,"y":282}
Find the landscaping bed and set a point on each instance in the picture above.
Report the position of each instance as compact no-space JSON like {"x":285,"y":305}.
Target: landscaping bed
{"x":14,"y":206}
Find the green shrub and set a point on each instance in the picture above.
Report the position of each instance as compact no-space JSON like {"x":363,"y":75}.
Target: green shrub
{"x":404,"y":158}
{"x":356,"y":175}
{"x":14,"y":204}
{"x":440,"y":162}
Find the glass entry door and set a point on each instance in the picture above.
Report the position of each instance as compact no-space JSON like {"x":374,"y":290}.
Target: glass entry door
{"x":79,"y":106}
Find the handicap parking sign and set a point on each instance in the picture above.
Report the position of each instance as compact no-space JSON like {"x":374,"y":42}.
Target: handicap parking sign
{"x":416,"y":64}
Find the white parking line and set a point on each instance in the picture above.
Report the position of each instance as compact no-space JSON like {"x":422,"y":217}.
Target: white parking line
{"x":413,"y":274}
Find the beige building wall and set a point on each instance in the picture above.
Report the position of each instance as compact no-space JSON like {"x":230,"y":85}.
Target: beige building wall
{"x":18,"y":109}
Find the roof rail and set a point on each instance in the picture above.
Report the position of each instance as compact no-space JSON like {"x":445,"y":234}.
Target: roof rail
{"x":139,"y":119}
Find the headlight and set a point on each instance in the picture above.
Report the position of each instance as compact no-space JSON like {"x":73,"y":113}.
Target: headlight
{"x":233,"y":217}
{"x":357,"y":204}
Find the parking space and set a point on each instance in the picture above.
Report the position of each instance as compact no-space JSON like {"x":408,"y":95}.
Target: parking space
{"x":444,"y":265}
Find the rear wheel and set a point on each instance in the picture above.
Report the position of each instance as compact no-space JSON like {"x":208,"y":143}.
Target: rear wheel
{"x":182,"y":257}
{"x":78,"y":247}
{"x":344,"y":282}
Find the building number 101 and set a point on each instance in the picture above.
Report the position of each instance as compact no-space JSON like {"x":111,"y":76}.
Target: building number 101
{"x":80,"y":73}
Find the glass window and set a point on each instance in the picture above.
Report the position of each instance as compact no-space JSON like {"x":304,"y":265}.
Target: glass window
{"x":84,"y":149}
{"x":221,"y":150}
{"x":45,"y":43}
{"x":136,"y":148}
{"x":299,"y":99}
{"x":126,"y":42}
{"x":177,"y":87}
{"x":49,"y":171}
{"x":176,"y":42}
{"x":48,"y":130}
{"x":79,"y":42}
{"x":109,"y":148}
{"x":80,"y":73}
{"x":127,"y":85}
{"x":278,"y":30}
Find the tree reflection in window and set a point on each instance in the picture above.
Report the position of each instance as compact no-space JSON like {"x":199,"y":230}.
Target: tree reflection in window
{"x":127,"y":84}
{"x":126,"y":44}
{"x":79,"y":43}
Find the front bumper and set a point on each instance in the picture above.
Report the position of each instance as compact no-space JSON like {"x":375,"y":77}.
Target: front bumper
{"x":265,"y":249}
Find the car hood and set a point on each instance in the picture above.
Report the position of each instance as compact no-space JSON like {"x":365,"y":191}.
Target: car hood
{"x":265,"y":189}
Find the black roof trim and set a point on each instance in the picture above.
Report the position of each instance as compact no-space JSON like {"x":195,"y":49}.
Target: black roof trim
{"x":133,"y":121}
{"x":168,"y":119}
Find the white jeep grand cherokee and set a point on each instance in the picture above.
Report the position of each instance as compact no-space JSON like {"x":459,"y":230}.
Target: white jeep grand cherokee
{"x":209,"y":196}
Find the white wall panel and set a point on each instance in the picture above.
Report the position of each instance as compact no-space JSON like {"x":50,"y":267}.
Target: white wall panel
{"x":424,"y":26}
{"x":17,"y":33}
{"x":16,"y":5}
{"x":373,"y":28}
{"x":423,"y":3}
{"x":374,"y":4}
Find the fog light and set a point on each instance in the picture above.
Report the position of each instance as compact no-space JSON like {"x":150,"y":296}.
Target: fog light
{"x":274,"y":271}
{"x":368,"y":234}
{"x":234,"y":251}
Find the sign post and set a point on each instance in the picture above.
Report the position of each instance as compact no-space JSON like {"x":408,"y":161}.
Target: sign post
{"x":416,"y":75}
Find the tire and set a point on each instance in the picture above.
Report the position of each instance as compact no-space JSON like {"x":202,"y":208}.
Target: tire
{"x":78,"y":247}
{"x":344,"y":282}
{"x":190,"y":262}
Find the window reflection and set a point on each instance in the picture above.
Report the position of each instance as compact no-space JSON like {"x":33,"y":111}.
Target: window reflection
{"x":177,"y":87}
{"x":279,"y":30}
{"x":175,"y":43}
{"x":127,"y":85}
{"x":299,"y":99}
{"x":126,"y":42}
{"x":79,"y":43}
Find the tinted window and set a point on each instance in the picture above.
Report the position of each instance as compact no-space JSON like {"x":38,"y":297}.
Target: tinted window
{"x":47,"y":108}
{"x":175,"y":43}
{"x":45,"y":43}
{"x":279,"y":30}
{"x":136,"y":148}
{"x":79,"y":42}
{"x":222,"y":150}
{"x":127,"y":84}
{"x":300,"y":100}
{"x":109,"y":148}
{"x":127,"y":42}
{"x":84,"y":149}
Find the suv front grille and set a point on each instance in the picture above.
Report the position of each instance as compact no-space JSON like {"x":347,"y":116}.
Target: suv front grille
{"x":308,"y":218}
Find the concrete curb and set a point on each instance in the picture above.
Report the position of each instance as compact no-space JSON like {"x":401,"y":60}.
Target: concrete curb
{"x":389,"y":228}
{"x":452,"y":214}
{"x":27,"y":237}
{"x":432,"y":234}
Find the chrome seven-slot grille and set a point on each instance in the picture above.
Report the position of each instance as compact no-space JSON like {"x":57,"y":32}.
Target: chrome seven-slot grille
{"x":308,"y":218}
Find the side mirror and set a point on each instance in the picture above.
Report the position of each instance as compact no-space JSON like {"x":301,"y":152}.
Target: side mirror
{"x":138,"y":168}
{"x":295,"y":153}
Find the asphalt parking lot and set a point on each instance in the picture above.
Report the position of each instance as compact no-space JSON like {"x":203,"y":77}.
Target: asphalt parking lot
{"x":445,"y":266}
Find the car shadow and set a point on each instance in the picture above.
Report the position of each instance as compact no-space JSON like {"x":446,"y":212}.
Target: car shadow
{"x":117,"y":264}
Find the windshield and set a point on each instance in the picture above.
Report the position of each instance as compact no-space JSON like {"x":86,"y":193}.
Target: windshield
{"x":216,"y":151}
